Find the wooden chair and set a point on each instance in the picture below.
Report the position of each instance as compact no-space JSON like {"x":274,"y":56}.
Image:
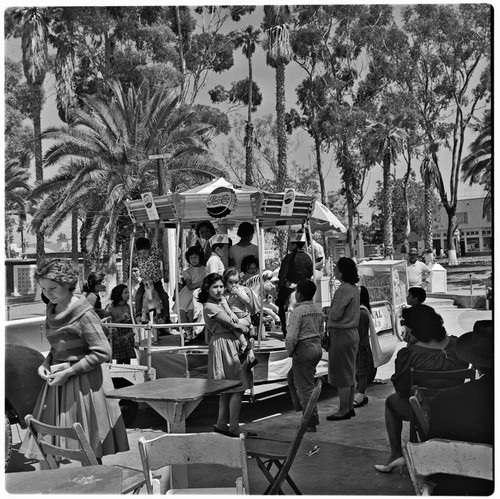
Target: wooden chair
{"x":451,"y":457}
{"x":51,"y":449}
{"x":194,"y":448}
{"x":420,"y":413}
{"x":435,"y":382}
{"x":281,"y":453}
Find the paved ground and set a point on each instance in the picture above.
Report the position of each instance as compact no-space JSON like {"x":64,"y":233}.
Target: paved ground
{"x":347,"y":449}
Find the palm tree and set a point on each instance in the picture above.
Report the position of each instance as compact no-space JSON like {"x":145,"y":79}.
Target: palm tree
{"x":428,"y":172}
{"x":34,"y":42}
{"x":279,"y":54}
{"x":105,"y":156}
{"x":248,"y":40}
{"x":386,"y":138}
{"x":17,"y":189}
{"x":477,"y":166}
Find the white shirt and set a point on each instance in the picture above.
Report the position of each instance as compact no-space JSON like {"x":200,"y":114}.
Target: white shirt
{"x":416,"y":272}
{"x":215,"y":264}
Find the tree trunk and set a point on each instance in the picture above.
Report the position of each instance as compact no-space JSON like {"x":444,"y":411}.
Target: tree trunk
{"x":319,"y":168}
{"x":429,"y":243}
{"x":182,"y":62}
{"x":249,"y":129}
{"x":452,"y":226}
{"x":280,"y":126}
{"x":387,"y":185}
{"x":111,"y":269}
{"x":74,"y":237}
{"x":37,"y":129}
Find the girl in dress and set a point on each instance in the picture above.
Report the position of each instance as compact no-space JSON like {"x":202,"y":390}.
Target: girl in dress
{"x":75,"y":372}
{"x":122,"y":339}
{"x":226,"y":341}
{"x":192,"y":277}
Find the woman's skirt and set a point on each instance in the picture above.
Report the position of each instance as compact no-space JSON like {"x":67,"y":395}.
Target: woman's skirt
{"x":364,"y":361}
{"x":224,"y":363}
{"x":342,"y":357}
{"x":82,"y":399}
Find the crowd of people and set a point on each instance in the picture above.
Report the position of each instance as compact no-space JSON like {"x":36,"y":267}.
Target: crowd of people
{"x":221,"y":278}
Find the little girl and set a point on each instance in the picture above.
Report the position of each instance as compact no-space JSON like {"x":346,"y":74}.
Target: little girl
{"x":193,"y":277}
{"x":122,"y":339}
{"x":241,"y":303}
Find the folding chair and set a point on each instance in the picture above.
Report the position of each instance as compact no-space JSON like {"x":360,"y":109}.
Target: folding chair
{"x":268,"y":451}
{"x":435,"y":382}
{"x":51,"y":448}
{"x":194,"y":448}
{"x":451,"y":457}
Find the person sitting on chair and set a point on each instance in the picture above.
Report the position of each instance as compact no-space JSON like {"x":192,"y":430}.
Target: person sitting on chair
{"x":432,"y":350}
{"x":466,"y":412}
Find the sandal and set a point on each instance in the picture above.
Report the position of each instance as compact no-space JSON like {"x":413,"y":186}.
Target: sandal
{"x":356,"y":404}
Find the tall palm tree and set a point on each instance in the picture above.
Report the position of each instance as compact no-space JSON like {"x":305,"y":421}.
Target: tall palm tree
{"x":279,"y":54}
{"x":34,"y":42}
{"x":477,"y":166}
{"x":428,"y":172}
{"x":386,"y":138}
{"x":248,"y":40}
{"x":105,"y":156}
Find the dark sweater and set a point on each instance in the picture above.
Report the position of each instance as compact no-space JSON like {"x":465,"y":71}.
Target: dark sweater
{"x":425,"y":359}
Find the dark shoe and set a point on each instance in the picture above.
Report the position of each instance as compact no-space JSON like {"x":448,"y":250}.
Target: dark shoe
{"x":227,"y":433}
{"x":253,"y":363}
{"x":333,"y":417}
{"x":311,"y":428}
{"x":352,"y":413}
{"x":360,"y":404}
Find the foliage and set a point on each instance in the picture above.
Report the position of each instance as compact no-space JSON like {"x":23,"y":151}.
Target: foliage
{"x":104,"y":158}
{"x":477,"y":166}
{"x":415,"y":202}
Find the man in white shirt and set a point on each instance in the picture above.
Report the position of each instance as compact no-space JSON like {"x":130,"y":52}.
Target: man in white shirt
{"x":419,"y":273}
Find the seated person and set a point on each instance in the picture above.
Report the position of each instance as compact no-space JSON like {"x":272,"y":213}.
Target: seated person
{"x":430,"y":349}
{"x":466,"y":412}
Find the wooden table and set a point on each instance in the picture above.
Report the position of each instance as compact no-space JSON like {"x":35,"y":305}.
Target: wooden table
{"x":174,"y":399}
{"x":101,"y":479}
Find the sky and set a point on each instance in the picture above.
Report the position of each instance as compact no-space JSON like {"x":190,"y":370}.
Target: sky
{"x":265,"y":77}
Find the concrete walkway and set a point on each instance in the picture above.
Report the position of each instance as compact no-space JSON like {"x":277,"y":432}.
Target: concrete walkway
{"x":347,"y":449}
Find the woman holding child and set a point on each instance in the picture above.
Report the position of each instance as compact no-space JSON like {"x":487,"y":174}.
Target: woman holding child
{"x":226,"y":342}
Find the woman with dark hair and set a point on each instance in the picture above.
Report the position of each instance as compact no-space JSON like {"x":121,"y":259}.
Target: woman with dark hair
{"x":431,"y":349}
{"x":91,"y":291}
{"x":364,"y":358}
{"x":342,"y":324}
{"x":122,"y":339}
{"x":226,"y":341}
{"x":244,"y":246}
{"x":204,"y":231}
{"x":75,"y":371}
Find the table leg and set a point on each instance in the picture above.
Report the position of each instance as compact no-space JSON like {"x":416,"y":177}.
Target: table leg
{"x":175,"y":414}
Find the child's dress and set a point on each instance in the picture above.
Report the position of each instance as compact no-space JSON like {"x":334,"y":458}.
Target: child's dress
{"x":194,"y":274}
{"x":122,"y":351}
{"x":76,"y":336}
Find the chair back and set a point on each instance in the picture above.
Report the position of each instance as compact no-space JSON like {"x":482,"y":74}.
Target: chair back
{"x":434,"y":382}
{"x":193,"y":448}
{"x":451,"y":457}
{"x":440,"y":379}
{"x":294,"y":447}
{"x":420,"y":413}
{"x":76,"y":445}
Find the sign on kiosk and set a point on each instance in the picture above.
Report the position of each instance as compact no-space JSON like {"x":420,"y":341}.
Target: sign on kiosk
{"x":288,"y":203}
{"x":150,"y":205}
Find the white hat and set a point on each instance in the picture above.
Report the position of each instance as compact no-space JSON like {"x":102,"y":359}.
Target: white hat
{"x":297,"y":237}
{"x":413,"y":251}
{"x":219,"y":239}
